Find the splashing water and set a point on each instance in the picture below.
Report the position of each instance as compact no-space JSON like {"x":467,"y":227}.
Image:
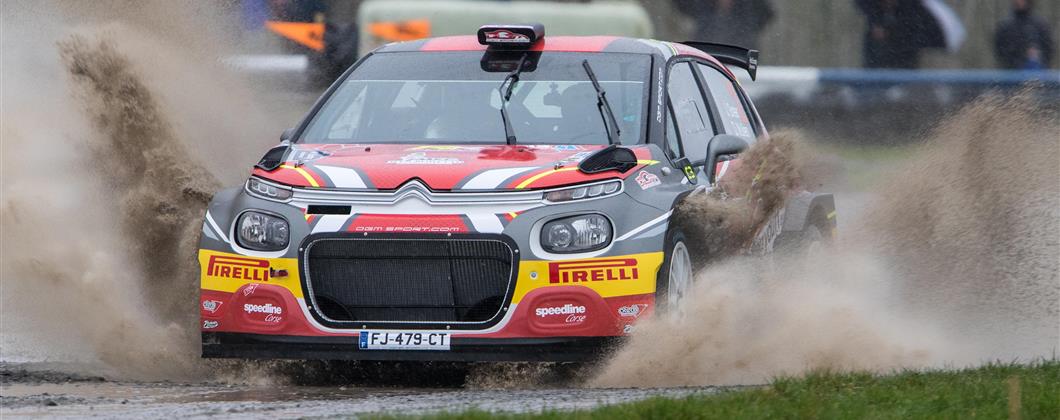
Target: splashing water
{"x":104,"y":183}
{"x":956,"y":263}
{"x":112,"y":147}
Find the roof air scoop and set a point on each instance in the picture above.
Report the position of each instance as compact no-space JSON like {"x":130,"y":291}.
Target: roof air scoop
{"x":511,"y":36}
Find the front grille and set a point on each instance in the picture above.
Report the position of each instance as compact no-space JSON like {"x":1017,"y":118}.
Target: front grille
{"x":368,"y":280}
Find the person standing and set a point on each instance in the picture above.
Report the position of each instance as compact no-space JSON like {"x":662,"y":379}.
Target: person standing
{"x":1023,"y":41}
{"x":896,"y":31}
{"x":733,"y":22}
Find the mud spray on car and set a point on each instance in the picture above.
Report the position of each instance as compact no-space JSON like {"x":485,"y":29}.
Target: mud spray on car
{"x":116,"y":132}
{"x":955,"y":263}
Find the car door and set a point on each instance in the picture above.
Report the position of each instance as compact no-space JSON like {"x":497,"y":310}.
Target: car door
{"x":690,"y":124}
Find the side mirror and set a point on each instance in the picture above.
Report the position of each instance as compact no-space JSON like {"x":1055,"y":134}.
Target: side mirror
{"x":721,"y":145}
{"x":287,"y":134}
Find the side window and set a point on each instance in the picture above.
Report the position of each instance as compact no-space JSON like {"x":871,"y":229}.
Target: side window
{"x":734,"y":118}
{"x":690,"y":113}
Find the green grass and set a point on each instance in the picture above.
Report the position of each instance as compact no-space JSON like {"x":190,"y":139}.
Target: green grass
{"x":973,"y":393}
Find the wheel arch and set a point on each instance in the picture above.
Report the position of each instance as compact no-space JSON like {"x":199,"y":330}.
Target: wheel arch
{"x":810,"y":208}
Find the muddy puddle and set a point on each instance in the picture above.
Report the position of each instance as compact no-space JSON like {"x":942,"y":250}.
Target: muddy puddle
{"x":38,"y":392}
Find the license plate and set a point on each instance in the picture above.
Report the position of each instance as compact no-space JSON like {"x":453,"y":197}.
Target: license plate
{"x":403,"y":340}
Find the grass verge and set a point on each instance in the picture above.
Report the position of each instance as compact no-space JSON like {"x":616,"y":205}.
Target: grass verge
{"x":993,"y":391}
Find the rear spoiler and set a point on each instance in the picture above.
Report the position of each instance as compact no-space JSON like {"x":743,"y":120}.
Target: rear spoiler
{"x":732,"y":55}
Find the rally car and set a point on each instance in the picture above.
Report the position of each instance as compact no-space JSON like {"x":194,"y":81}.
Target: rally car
{"x":501,"y":196}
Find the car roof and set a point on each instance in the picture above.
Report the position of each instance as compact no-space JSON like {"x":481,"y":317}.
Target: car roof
{"x":600,"y":44}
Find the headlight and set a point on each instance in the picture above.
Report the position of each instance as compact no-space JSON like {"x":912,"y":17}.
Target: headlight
{"x":589,"y":191}
{"x":262,"y":232}
{"x":261,"y":189}
{"x":588,"y":232}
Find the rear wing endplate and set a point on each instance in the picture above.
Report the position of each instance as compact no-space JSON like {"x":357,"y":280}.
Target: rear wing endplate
{"x":732,"y":55}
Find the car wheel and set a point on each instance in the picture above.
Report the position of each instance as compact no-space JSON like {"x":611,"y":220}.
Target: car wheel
{"x":812,"y":241}
{"x":675,"y":276}
{"x":808,"y":242}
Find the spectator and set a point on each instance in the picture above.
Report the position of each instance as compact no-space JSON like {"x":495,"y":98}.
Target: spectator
{"x":1023,"y":41}
{"x":297,"y":10}
{"x":896,"y":31}
{"x":733,"y":22}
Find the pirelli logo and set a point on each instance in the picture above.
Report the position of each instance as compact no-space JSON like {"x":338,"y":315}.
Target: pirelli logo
{"x":594,"y":270}
{"x":238,"y":268}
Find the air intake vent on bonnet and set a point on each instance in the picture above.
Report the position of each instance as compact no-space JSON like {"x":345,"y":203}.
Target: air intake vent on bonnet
{"x":609,"y":158}
{"x":273,"y":158}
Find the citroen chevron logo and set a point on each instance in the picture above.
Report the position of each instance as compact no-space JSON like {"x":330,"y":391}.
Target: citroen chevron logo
{"x":413,"y":188}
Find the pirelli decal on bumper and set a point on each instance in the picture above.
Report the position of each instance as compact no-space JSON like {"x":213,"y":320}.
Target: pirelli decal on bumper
{"x":238,"y":268}
{"x":226,"y":272}
{"x":609,"y":276}
{"x":621,"y":275}
{"x":594,"y":270}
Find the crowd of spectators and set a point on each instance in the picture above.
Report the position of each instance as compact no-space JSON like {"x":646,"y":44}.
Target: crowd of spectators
{"x":896,"y":31}
{"x":1024,"y":40}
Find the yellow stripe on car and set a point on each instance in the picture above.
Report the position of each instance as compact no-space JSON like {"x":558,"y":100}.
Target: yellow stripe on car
{"x":304,"y":174}
{"x":544,"y":174}
{"x":531,"y":180}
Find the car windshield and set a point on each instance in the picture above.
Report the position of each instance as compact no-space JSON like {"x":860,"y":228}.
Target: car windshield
{"x":447,"y":97}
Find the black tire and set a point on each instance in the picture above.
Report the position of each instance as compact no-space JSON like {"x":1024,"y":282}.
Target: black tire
{"x":817,"y":230}
{"x":662,"y":280}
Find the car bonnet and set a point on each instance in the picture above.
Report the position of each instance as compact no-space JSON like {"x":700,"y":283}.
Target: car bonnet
{"x":439,"y":167}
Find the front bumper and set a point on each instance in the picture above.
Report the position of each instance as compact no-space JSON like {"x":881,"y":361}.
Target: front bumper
{"x":234,"y":327}
{"x":260,"y":305}
{"x":263,"y":346}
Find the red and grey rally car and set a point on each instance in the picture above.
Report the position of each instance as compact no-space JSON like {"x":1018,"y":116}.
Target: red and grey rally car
{"x":504,"y":196}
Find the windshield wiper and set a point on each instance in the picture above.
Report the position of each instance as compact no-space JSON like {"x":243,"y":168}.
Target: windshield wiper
{"x":601,"y":103}
{"x":505,"y":90}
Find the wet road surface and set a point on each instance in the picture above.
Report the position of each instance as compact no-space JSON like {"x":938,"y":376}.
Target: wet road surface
{"x":28,"y":392}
